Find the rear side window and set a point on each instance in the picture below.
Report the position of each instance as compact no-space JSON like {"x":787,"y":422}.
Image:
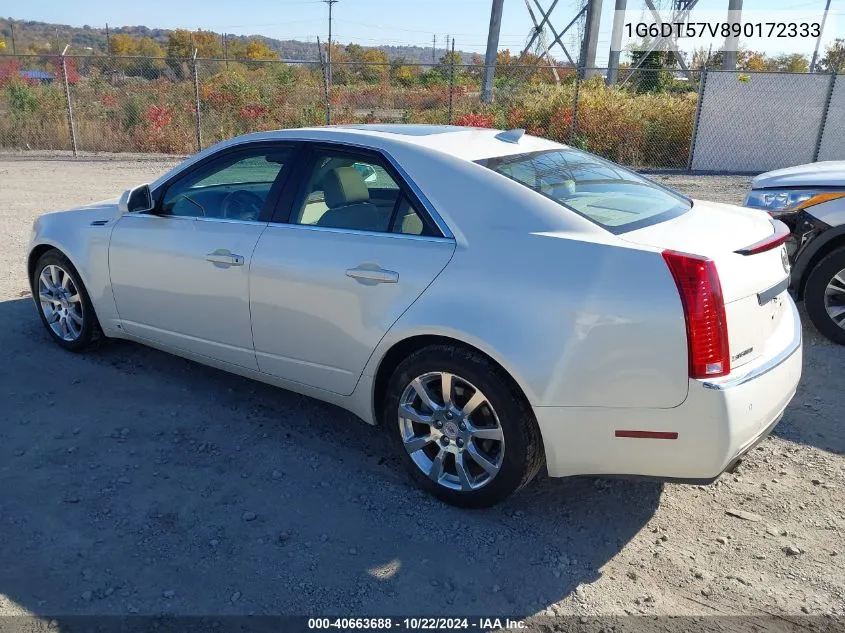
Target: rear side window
{"x":611,"y":196}
{"x":346,"y":190}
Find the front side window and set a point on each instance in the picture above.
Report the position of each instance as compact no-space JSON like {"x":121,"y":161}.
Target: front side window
{"x":358,"y":193}
{"x":611,"y":196}
{"x":235,"y":186}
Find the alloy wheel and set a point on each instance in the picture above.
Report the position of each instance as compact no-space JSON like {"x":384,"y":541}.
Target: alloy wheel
{"x":60,"y":302}
{"x":451,"y":431}
{"x":834,"y":298}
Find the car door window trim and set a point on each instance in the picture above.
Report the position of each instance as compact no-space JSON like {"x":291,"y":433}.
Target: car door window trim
{"x":294,"y":186}
{"x":331,"y":229}
{"x":271,"y":204}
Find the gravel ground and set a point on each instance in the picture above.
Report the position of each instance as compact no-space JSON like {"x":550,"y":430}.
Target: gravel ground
{"x":136,"y":482}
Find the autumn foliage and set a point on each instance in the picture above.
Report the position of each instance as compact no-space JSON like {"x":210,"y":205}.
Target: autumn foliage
{"x":133,"y":102}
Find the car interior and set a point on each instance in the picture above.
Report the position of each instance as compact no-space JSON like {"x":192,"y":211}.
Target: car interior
{"x":341,"y":193}
{"x":235,"y":188}
{"x":344,"y":193}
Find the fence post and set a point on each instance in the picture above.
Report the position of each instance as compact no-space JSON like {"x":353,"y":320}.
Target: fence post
{"x":451,"y":79}
{"x":573,"y":130}
{"x":701,"y":82}
{"x":823,"y":121}
{"x":325,"y":83}
{"x":197,"y":102}
{"x":71,"y":127}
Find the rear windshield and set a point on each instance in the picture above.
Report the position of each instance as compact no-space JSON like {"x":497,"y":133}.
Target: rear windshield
{"x":613,"y":197}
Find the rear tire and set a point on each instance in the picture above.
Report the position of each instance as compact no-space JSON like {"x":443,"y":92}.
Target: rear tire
{"x":63,"y":303}
{"x":476,"y":447}
{"x":822,"y":301}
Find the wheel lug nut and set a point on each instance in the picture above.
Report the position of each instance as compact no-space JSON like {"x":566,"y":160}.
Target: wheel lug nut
{"x":438,"y":424}
{"x":462,"y":426}
{"x":445,"y":441}
{"x":449,"y":415}
{"x":460,"y":443}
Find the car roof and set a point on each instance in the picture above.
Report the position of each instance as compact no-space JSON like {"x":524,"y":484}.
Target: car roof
{"x":467,"y":143}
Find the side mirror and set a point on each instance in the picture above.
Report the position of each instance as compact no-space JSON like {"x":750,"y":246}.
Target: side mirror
{"x":136,"y":200}
{"x":367,"y":171}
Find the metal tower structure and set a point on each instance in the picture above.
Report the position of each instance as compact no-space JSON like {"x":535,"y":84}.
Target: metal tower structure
{"x":586,"y":59}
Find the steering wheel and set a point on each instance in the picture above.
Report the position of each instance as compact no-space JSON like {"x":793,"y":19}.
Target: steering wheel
{"x":242,"y":205}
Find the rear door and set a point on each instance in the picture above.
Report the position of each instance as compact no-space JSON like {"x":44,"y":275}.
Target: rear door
{"x":352,"y":247}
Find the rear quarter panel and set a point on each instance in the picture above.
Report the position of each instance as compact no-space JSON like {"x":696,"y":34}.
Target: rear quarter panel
{"x":575,"y":322}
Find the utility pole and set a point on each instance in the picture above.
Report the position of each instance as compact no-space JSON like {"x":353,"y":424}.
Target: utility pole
{"x":492,"y":50}
{"x":732,"y":42}
{"x":434,"y":49}
{"x":591,"y":39}
{"x":818,"y":40}
{"x":108,"y":40}
{"x":616,"y":42}
{"x":12,"y":34}
{"x":329,"y":49}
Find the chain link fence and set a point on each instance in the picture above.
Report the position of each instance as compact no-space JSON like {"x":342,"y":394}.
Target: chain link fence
{"x":761,"y":121}
{"x":649,"y":119}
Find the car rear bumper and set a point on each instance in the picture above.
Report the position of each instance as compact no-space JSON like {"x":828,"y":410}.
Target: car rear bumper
{"x":719,"y":421}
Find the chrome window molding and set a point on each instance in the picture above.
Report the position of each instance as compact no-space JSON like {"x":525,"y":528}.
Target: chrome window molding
{"x":413,"y":186}
{"x":196,"y":218}
{"x":441,"y":224}
{"x":331,"y":229}
{"x":231,"y":221}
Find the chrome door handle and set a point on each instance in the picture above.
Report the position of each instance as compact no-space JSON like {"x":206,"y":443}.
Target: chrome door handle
{"x":373,"y":275}
{"x":225,"y":259}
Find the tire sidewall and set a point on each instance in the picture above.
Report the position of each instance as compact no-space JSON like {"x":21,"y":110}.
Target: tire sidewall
{"x":514,"y":416}
{"x":814,"y":291}
{"x":90,"y":328}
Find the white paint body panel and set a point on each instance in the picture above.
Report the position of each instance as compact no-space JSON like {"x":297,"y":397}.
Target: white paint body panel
{"x":714,"y":426}
{"x":300,"y":294}
{"x":168,"y":292}
{"x":589,"y":324}
{"x":829,"y":173}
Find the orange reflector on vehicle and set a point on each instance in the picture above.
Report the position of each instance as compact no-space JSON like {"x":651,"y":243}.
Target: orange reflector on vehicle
{"x":649,"y":435}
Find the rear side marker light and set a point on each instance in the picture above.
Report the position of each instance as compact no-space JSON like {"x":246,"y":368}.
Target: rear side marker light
{"x":704,"y":312}
{"x":648,"y":435}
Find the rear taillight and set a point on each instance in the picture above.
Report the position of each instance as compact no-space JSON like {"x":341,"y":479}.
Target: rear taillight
{"x":704,"y":310}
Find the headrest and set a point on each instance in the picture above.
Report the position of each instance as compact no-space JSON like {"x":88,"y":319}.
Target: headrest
{"x":344,"y":185}
{"x":412,"y":225}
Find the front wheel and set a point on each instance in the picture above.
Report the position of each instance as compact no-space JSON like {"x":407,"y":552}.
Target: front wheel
{"x":824,"y":296}
{"x":63,"y":303}
{"x":461,"y":427}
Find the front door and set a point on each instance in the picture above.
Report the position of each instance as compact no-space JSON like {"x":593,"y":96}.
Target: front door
{"x":326,"y":286}
{"x":180,"y":275}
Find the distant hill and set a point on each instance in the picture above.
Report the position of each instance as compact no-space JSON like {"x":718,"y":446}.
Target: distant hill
{"x":87,"y":39}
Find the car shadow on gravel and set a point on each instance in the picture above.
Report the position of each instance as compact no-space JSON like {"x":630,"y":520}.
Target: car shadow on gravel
{"x":815,"y":416}
{"x":136,"y":482}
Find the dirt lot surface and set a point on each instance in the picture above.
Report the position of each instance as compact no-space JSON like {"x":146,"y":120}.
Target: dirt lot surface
{"x":135,"y":482}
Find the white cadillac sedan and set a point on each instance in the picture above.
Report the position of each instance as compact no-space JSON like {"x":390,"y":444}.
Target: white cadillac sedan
{"x":495,"y":301}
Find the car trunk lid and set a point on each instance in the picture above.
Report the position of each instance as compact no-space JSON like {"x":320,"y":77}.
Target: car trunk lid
{"x":746,"y":248}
